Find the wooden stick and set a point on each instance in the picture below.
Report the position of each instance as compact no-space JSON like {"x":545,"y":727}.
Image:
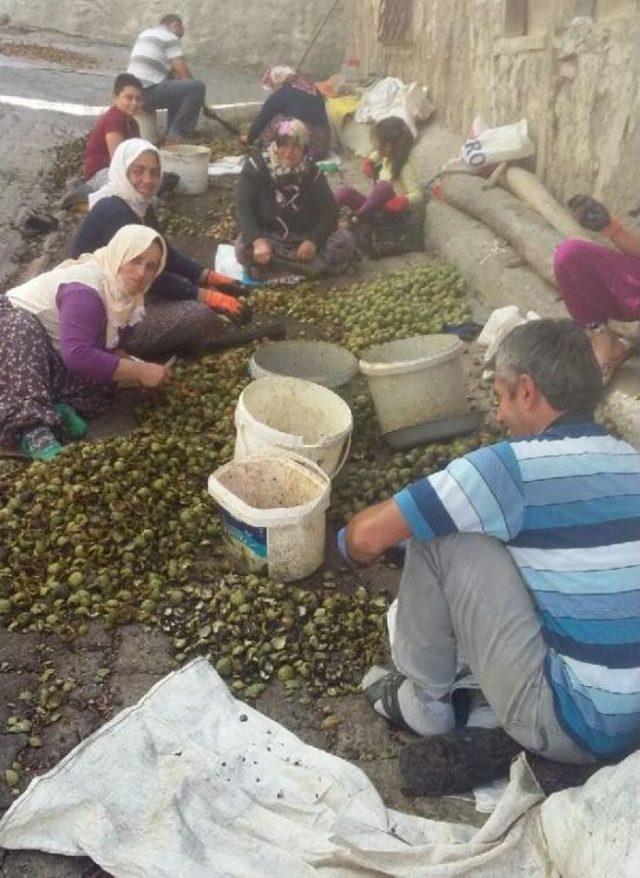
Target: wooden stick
{"x":210,"y":113}
{"x":494,"y":177}
{"x":316,"y":34}
{"x":532,"y":191}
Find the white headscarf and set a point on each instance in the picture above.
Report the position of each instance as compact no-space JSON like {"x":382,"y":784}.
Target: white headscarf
{"x":100,"y":272}
{"x":118,"y":184}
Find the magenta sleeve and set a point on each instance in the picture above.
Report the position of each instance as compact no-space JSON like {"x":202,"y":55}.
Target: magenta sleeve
{"x":83,"y":324}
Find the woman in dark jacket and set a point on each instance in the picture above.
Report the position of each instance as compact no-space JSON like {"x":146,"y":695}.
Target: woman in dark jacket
{"x":186,"y":299}
{"x":285,"y":209}
{"x":292,"y":97}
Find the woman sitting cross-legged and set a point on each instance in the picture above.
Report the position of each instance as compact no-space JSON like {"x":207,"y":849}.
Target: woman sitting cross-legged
{"x":60,"y":338}
{"x":599,"y":284}
{"x":285,"y":210}
{"x":187,"y":301}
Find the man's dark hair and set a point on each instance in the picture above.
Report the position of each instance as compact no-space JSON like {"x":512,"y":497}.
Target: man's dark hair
{"x":559,"y":358}
{"x":171,"y":18}
{"x":125,"y":80}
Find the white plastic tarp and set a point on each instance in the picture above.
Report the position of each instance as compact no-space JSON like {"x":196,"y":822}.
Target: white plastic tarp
{"x":190,"y":783}
{"x":230,"y":164}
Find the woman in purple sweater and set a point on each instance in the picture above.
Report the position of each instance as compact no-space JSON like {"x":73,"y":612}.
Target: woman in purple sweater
{"x":60,"y":337}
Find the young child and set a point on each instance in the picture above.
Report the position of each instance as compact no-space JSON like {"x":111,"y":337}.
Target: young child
{"x":395,"y":183}
{"x":114,"y":126}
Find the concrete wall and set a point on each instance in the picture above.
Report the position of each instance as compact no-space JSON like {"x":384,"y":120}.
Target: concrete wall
{"x":233,"y":32}
{"x":572,"y":72}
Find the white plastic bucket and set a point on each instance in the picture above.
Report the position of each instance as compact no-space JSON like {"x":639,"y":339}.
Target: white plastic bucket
{"x":319,"y":361}
{"x":272,"y":507}
{"x":148,"y":125}
{"x":190,"y":163}
{"x":416,"y":380}
{"x":295,"y":415}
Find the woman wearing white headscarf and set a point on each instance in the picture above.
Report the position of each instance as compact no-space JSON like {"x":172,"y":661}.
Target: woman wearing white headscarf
{"x":187,"y":297}
{"x":60,"y":339}
{"x":292,"y":97}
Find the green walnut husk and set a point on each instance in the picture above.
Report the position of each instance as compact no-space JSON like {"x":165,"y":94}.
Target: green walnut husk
{"x":124,"y":530}
{"x":68,"y":158}
{"x":413,"y":302}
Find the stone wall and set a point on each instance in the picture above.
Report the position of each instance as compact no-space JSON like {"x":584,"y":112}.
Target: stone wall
{"x":568,"y":66}
{"x":233,"y":32}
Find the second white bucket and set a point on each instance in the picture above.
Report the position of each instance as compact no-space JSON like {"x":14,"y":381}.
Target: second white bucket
{"x":295,"y":415}
{"x":190,"y":163}
{"x":273,"y":509}
{"x":416,"y":382}
{"x":148,"y":125}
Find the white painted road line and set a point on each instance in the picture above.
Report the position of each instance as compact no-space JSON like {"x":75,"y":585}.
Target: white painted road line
{"x":55,"y":106}
{"x":86,"y":110}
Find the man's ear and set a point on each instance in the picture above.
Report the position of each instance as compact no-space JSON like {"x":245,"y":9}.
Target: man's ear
{"x":529,"y":391}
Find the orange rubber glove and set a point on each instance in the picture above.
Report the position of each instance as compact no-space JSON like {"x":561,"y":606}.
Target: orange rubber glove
{"x":396,"y":204}
{"x":235,"y":310}
{"x":215,"y":281}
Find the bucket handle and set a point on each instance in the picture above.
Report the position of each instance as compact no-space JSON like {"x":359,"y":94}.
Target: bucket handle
{"x":344,"y":455}
{"x":270,"y":433}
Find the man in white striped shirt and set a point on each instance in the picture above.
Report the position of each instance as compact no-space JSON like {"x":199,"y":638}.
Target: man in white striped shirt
{"x":158,"y":61}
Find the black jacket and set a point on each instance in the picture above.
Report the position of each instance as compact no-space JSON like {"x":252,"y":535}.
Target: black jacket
{"x":305,"y":210}
{"x":293,"y":102}
{"x":179,"y":280}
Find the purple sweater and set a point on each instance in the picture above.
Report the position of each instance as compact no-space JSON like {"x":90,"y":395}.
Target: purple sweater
{"x":83,"y":326}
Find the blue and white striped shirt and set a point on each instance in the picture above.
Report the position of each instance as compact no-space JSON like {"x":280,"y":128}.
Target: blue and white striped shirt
{"x":567,"y":505}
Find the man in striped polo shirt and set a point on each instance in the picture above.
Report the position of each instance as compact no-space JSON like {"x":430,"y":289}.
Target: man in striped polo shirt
{"x":158,"y":61}
{"x":523,"y":563}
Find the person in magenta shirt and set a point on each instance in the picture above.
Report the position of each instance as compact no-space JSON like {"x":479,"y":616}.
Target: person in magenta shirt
{"x":599,"y":284}
{"x":61,"y":337}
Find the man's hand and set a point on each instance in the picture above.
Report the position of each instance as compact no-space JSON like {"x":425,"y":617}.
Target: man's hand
{"x":591,"y":214}
{"x":243,"y":139}
{"x":180,"y":69}
{"x":261,"y":251}
{"x":306,"y":251}
{"x":373,"y":531}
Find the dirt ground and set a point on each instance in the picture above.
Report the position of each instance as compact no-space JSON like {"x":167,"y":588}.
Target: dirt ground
{"x":86,"y":682}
